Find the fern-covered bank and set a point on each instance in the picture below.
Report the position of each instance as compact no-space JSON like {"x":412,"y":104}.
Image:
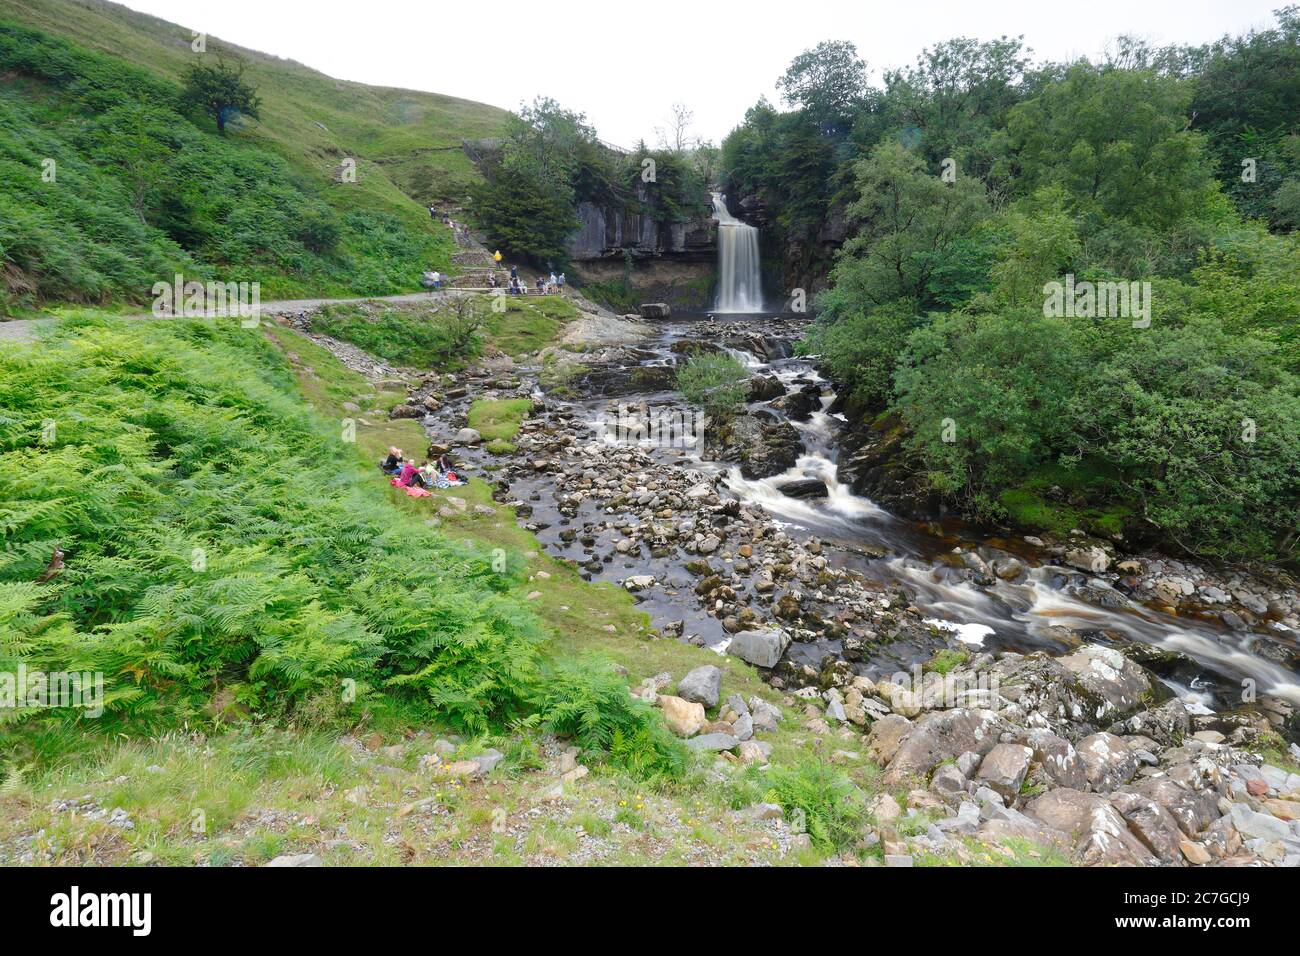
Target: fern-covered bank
{"x":228,"y":554}
{"x":111,"y":181}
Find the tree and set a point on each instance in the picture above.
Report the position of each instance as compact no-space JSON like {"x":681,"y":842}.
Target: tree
{"x":676,"y":138}
{"x":828,"y":82}
{"x":137,"y":139}
{"x":1117,"y":141}
{"x":220,"y":92}
{"x":549,"y":143}
{"x":911,"y":221}
{"x":523,"y":215}
{"x":956,"y":95}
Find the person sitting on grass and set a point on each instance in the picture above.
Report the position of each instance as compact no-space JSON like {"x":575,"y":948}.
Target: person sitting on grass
{"x":393,"y":463}
{"x":404,"y":477}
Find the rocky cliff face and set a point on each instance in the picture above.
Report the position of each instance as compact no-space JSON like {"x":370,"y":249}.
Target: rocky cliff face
{"x":655,"y":259}
{"x":796,"y":260}
{"x":611,"y":233}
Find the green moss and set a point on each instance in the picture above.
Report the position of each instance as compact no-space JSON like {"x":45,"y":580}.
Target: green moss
{"x":946,"y":661}
{"x":498,"y":420}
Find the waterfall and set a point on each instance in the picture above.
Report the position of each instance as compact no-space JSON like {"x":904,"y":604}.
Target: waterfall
{"x":739,"y":287}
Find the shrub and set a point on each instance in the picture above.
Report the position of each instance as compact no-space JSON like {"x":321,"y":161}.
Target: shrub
{"x":831,"y":806}
{"x":716,"y":383}
{"x":588,"y":701}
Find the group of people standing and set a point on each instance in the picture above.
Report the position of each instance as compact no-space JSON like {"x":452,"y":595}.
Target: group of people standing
{"x":433,"y":279}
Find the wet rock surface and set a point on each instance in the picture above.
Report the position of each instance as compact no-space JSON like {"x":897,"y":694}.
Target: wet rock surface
{"x":1076,"y":733}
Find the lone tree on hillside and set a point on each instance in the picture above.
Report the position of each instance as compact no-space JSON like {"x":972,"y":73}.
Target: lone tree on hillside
{"x":220,"y":92}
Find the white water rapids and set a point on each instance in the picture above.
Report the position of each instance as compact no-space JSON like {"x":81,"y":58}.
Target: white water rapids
{"x":740,"y":288}
{"x":1033,"y":605}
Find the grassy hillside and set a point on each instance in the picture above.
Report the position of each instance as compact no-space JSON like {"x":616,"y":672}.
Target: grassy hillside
{"x":234,"y":563}
{"x":95,"y":87}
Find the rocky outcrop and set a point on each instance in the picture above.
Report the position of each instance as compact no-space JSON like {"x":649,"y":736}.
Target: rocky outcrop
{"x":762,"y":444}
{"x":875,"y":463}
{"x":607,"y":232}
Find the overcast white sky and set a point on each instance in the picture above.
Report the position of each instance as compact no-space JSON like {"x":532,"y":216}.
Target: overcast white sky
{"x":625,"y":62}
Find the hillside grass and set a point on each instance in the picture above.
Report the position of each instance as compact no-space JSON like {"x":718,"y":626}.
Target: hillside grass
{"x":145,"y":189}
{"x":423,"y":334}
{"x":409,"y":141}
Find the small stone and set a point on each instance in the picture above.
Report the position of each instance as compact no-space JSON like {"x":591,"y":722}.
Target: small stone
{"x":685,"y":718}
{"x":885,"y":809}
{"x":703,"y":685}
{"x":1194,"y":853}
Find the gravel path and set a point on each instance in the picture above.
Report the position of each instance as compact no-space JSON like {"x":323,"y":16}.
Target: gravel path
{"x":25,"y":330}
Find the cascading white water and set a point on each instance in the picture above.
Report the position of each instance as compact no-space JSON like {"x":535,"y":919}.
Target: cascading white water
{"x":739,"y":287}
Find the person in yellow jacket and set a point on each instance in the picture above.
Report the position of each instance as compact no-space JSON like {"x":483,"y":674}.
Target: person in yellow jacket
{"x":496,"y":257}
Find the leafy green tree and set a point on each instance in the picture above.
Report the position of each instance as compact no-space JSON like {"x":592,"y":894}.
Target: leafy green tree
{"x":524,"y":215}
{"x":859,"y":346}
{"x":1117,"y":142}
{"x":828,"y":82}
{"x":1248,"y":88}
{"x":220,"y":92}
{"x":910,"y":221}
{"x":548,"y":143}
{"x":956,"y":96}
{"x":138,"y":140}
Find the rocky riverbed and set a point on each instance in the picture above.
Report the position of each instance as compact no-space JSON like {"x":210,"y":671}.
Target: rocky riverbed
{"x":1119,"y":708}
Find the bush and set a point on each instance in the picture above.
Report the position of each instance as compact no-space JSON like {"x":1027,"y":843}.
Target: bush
{"x":832,"y":808}
{"x":589,"y":702}
{"x":718,"y":384}
{"x":426,"y":342}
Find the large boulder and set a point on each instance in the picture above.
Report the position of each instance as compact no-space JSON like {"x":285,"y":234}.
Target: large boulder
{"x":685,"y":718}
{"x":765,"y":716}
{"x":886,"y":737}
{"x":1093,"y":559}
{"x":1167,"y":724}
{"x":1151,"y":823}
{"x":943,"y":735}
{"x":1036,"y":684}
{"x":761,"y":443}
{"x":1119,"y":683}
{"x":702,"y":685}
{"x":1056,"y":759}
{"x":1194,"y":810}
{"x":804,"y":488}
{"x":1108,"y":761}
{"x":764,"y":388}
{"x":760,"y":648}
{"x":468,"y":436}
{"x":1101,"y":834}
{"x":800,"y":405}
{"x":656,"y":310}
{"x":713,"y":743}
{"x":1003,"y":769}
